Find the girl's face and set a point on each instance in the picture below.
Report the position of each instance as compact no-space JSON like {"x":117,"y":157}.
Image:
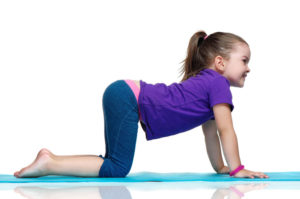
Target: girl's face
{"x":236,"y":68}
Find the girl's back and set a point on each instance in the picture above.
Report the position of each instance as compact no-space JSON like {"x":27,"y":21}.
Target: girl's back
{"x":168,"y":110}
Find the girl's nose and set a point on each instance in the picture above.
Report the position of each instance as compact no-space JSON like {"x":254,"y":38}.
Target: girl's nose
{"x":248,"y":70}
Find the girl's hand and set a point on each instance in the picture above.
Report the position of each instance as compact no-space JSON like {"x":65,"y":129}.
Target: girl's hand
{"x":250,"y":174}
{"x":224,"y":170}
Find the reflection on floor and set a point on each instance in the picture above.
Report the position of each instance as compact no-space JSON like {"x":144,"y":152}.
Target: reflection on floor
{"x":123,"y":190}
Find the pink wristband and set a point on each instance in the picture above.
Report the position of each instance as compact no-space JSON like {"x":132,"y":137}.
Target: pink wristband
{"x":232,"y":173}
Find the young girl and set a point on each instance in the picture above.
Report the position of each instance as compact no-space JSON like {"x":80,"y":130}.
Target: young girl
{"x":203,"y":97}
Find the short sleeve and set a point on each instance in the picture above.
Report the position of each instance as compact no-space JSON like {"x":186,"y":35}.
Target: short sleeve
{"x":219,"y":92}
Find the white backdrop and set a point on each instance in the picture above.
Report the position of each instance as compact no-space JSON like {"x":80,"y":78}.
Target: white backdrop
{"x":57,"y":57}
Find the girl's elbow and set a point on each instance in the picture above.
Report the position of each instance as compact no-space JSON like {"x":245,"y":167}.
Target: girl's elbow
{"x":225,"y":132}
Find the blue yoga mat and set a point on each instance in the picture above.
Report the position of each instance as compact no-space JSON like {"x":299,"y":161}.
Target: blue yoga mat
{"x":154,"y":177}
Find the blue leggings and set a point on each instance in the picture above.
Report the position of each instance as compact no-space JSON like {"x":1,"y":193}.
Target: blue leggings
{"x":121,"y":119}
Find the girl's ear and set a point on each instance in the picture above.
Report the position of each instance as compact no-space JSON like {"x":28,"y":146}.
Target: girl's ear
{"x":220,"y":64}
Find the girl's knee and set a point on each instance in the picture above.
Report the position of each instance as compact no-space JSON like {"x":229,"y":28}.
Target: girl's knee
{"x":111,"y":170}
{"x":113,"y":174}
{"x":123,"y":173}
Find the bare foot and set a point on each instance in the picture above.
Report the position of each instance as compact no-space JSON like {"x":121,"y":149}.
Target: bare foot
{"x":38,"y":167}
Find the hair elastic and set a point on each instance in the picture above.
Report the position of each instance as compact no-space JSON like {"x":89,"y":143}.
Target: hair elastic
{"x":232,"y":173}
{"x":200,"y":40}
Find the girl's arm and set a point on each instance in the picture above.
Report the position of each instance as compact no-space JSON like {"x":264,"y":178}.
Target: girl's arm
{"x":213,"y":145}
{"x":227,"y":135}
{"x":228,"y":138}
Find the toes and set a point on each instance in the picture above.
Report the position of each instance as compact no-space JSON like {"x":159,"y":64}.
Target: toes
{"x":19,"y":174}
{"x":16,"y":174}
{"x":22,"y":171}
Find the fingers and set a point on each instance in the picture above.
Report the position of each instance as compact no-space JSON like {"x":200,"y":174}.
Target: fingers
{"x":251,"y":174}
{"x":257,"y":174}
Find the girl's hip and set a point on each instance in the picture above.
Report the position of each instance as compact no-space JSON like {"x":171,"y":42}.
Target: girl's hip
{"x":119,"y":96}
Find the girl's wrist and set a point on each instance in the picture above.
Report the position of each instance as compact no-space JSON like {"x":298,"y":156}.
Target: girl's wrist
{"x":223,"y":170}
{"x":236,"y":170}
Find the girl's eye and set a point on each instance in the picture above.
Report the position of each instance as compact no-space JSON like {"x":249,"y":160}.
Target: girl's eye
{"x":245,"y":60}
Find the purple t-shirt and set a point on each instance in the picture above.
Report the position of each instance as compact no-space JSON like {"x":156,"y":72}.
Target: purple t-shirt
{"x":168,"y":110}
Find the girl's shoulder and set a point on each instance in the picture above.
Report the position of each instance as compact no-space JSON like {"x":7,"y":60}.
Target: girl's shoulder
{"x":208,"y":77}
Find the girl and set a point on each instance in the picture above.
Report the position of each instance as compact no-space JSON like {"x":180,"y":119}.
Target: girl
{"x":203,"y":97}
